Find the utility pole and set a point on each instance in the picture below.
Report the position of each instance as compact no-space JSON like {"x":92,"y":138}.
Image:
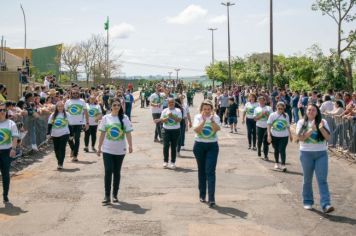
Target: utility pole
{"x":228,"y":5}
{"x":106,"y":25}
{"x":170,"y":74}
{"x":24,"y":53}
{"x":177,"y":70}
{"x":212,"y":51}
{"x":270,"y":81}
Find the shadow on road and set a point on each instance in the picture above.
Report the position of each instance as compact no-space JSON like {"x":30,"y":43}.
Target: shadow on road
{"x":335,"y":218}
{"x":184,"y":170}
{"x":134,"y":208}
{"x":229,"y":211}
{"x":288,"y":172}
{"x":11,"y":210}
{"x":85,"y":162}
{"x":69,"y":170}
{"x":187,"y":157}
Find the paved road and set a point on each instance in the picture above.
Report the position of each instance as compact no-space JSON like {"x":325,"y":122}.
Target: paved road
{"x":252,"y":198}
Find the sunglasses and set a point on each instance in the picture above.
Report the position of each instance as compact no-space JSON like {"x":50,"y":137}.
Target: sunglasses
{"x":116,"y":105}
{"x":3,"y":110}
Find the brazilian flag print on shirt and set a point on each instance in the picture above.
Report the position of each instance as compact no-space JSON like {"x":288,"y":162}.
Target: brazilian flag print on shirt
{"x":207,"y":132}
{"x":313,"y":138}
{"x":5,"y":136}
{"x":114,"y":132}
{"x":75,"y":109}
{"x":93,"y":112}
{"x":60,"y":123}
{"x":279,"y":125}
{"x":170,"y":121}
{"x":265,"y":115}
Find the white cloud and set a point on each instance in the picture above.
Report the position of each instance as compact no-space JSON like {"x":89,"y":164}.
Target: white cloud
{"x":122,"y":31}
{"x":188,"y":15}
{"x":218,"y":19}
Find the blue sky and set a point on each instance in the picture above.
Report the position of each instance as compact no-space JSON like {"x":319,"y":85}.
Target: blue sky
{"x":169,"y":32}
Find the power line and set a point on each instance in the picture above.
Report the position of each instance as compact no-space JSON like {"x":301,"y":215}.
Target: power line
{"x":160,"y":66}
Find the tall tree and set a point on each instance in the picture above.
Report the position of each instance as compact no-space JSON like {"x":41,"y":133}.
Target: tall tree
{"x":88,"y":51}
{"x":71,"y":60}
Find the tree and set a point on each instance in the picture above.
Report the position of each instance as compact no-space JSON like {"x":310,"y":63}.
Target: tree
{"x":71,"y":60}
{"x":88,"y":52}
{"x":341,"y":12}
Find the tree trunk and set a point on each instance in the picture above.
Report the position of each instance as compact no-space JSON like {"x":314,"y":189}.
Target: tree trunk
{"x":348,"y":73}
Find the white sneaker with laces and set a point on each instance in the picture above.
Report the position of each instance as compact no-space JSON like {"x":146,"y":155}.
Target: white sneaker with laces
{"x":34,"y":147}
{"x":308,"y":207}
{"x":276,"y":166}
{"x":182,"y":148}
{"x":165,"y":164}
{"x":172,"y":166}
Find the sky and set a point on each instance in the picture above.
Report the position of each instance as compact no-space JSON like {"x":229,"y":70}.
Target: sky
{"x":155,"y":36}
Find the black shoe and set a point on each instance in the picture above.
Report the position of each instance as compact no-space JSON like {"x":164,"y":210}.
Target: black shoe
{"x":6,"y":199}
{"x":259,"y":154}
{"x":93,"y":149}
{"x":115,"y":199}
{"x":86,"y":149}
{"x":156,"y":140}
{"x":106,"y":201}
{"x":212,"y":204}
{"x":266,"y":158}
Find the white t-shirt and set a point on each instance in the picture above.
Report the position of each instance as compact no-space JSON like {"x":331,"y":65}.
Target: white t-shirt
{"x":311,"y":144}
{"x":279,"y":124}
{"x":250,"y":109}
{"x":326,"y":106}
{"x":266,"y":111}
{"x":59,"y":125}
{"x":185,"y":111}
{"x":75,"y":111}
{"x":43,"y":95}
{"x":171,"y":124}
{"x":207,"y":135}
{"x":8,"y":130}
{"x":156,"y":99}
{"x":114,"y":142}
{"x":93,"y":111}
{"x":46,"y":83}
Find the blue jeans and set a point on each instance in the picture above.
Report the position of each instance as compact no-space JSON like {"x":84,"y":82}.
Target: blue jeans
{"x":206,"y":155}
{"x":32,"y":131}
{"x":128,"y":107}
{"x":315,"y":162}
{"x":295,"y":114}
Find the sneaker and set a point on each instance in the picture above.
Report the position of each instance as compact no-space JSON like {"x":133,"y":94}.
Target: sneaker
{"x":59,"y":167}
{"x":202,"y":200}
{"x":308,"y":207}
{"x":231,"y":132}
{"x":249,"y":147}
{"x":266,"y":158}
{"x":106,"y":201}
{"x":115,"y":199}
{"x":259,"y":154}
{"x":93,"y":149}
{"x":284,"y":168}
{"x":86,"y":149}
{"x":235,"y":130}
{"x":254,"y":148}
{"x":75,"y":158}
{"x":172,"y":166}
{"x":6,"y":199}
{"x":34,"y":147}
{"x":276,"y":166}
{"x":178,"y":154}
{"x":212,"y":204}
{"x":328,"y":209}
{"x":165,"y":164}
{"x":156,"y":140}
{"x":182,"y":148}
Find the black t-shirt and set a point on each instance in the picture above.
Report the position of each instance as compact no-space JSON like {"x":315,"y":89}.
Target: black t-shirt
{"x":232,"y":110}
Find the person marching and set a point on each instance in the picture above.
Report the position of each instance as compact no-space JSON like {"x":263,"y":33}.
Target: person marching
{"x":76,"y":109}
{"x":232,"y":112}
{"x":278,"y":129}
{"x":261,"y":115}
{"x":248,"y":112}
{"x":206,"y":149}
{"x":171,"y":118}
{"x":184,"y":124}
{"x":114,"y":127}
{"x":95,"y":114}
{"x":129,"y":99}
{"x":8,"y":142}
{"x":156,"y":108}
{"x":58,"y":130}
{"x":313,"y":131}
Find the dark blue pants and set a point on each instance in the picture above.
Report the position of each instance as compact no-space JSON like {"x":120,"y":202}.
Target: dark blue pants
{"x":206,"y":155}
{"x":181,"y":138}
{"x":5,"y":170}
{"x":262,"y":139}
{"x":128,"y":107}
{"x":158,"y":129}
{"x":74,"y":138}
{"x":90,"y":132}
{"x":59,"y":144}
{"x":251,"y":131}
{"x":112,"y":166}
{"x":170,"y":139}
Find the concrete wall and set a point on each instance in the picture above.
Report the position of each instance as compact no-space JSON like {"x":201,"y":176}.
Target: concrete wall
{"x":11,"y":81}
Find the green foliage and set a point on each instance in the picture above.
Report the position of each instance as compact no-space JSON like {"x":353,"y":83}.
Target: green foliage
{"x":300,"y":85}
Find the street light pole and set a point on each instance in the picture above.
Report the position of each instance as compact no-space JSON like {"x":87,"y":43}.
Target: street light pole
{"x":170,"y":74}
{"x":24,"y":53}
{"x":177,"y":70}
{"x":212,"y":51}
{"x":270,"y":81}
{"x":228,"y":4}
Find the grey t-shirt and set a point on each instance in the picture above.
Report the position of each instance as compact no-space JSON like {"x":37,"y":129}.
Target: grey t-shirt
{"x":224,"y":101}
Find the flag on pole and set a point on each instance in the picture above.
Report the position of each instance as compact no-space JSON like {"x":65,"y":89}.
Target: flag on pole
{"x":106,"y":24}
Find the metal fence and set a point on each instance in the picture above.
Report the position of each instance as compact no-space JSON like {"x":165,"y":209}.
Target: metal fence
{"x":36,"y":128}
{"x":343,"y":136}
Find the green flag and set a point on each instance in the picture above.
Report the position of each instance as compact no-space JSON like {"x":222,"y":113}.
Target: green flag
{"x":106,"y":24}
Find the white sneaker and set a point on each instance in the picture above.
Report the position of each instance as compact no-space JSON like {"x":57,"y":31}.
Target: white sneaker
{"x":172,"y":166}
{"x":308,"y":207}
{"x":276,"y":166}
{"x":182,"y":148}
{"x":165,"y":164}
{"x":34,"y":147}
{"x":283,"y":168}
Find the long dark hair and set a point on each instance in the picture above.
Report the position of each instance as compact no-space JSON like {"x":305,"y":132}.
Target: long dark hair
{"x":120,"y":115}
{"x":317,"y":121}
{"x":178,"y":104}
{"x":55,"y":114}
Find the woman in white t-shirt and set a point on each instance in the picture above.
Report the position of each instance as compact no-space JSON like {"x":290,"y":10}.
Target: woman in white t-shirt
{"x":170,"y":118}
{"x":114,"y":127}
{"x":206,"y":149}
{"x":58,"y":130}
{"x":278,"y":129}
{"x":8,"y":142}
{"x":248,"y":118}
{"x":313,"y":131}
{"x":95,"y":114}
